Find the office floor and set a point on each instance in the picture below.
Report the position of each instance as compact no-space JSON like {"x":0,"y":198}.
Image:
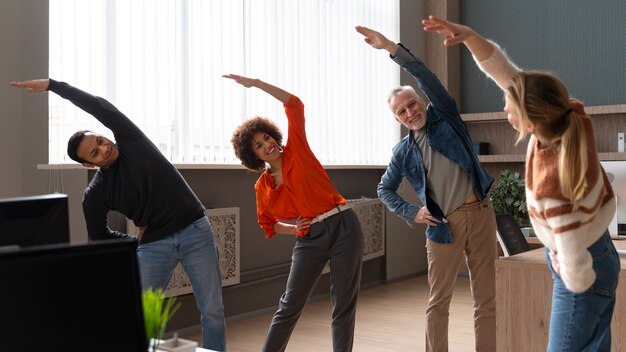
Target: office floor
{"x":389,"y":318}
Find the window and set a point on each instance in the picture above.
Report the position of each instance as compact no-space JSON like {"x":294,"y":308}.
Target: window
{"x":160,"y":63}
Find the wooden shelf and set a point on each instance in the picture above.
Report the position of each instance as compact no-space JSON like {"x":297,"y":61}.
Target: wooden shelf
{"x":605,"y":109}
{"x":502,"y":158}
{"x":493,"y":128}
{"x":484,"y":117}
{"x":515,"y":158}
{"x":612,"y":156}
{"x":501,"y":115}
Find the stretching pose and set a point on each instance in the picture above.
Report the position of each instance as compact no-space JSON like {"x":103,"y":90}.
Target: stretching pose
{"x":135,"y":179}
{"x":295,"y":186}
{"x":570,"y":200}
{"x":437,"y":159}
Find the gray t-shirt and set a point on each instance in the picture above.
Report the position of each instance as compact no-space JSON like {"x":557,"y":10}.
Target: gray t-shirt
{"x":446,"y":182}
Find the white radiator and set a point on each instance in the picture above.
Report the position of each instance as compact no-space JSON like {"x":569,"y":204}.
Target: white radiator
{"x":371,"y":214}
{"x":225,"y":224}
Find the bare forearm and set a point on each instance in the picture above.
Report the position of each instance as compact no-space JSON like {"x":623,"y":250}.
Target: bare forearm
{"x":278,"y":93}
{"x":391,"y":47}
{"x":377,"y":40}
{"x":284,"y":228}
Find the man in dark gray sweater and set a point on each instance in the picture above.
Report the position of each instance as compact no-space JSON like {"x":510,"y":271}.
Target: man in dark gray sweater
{"x":135,"y":179}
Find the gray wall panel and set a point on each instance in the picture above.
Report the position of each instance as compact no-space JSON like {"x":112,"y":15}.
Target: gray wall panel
{"x":582,"y":42}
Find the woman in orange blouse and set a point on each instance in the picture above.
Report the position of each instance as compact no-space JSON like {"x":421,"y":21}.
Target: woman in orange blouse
{"x":295,"y":187}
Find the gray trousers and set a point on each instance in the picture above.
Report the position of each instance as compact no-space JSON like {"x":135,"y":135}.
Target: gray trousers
{"x":339,"y":239}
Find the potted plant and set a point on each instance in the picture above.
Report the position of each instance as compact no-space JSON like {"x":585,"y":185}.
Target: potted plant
{"x":509,"y":196}
{"x":157,"y":311}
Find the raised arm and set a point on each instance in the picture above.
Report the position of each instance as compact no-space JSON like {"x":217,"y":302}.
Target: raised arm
{"x":96,"y":106}
{"x":32,"y":86}
{"x":377,"y":40}
{"x":428,"y":82}
{"x":488,"y":56}
{"x":278,"y":93}
{"x":456,"y":33}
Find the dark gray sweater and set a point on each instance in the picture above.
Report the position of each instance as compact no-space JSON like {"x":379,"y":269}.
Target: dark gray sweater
{"x":142,"y":184}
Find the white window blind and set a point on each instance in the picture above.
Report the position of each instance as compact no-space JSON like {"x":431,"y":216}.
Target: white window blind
{"x":160,"y":62}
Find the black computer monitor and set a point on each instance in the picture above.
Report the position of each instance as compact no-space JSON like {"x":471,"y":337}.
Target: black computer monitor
{"x":72,"y":298}
{"x":510,"y":235}
{"x":31,"y":221}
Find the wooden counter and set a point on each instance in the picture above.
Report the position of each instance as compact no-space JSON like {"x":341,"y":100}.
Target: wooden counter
{"x":524,"y":299}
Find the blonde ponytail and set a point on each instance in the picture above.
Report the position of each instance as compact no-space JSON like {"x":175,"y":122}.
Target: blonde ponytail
{"x":573,"y":160}
{"x":541,"y":99}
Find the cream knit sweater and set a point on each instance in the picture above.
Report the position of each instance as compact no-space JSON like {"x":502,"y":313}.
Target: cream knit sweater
{"x":568,"y":233}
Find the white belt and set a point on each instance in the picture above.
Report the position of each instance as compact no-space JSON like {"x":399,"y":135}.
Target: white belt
{"x":331,"y":212}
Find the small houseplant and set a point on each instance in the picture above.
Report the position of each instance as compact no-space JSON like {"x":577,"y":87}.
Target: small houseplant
{"x":509,"y":196}
{"x":157,"y":311}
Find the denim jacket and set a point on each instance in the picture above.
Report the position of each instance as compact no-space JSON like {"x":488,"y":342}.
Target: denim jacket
{"x":446,"y":133}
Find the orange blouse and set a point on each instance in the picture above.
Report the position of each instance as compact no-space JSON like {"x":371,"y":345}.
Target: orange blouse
{"x":306,"y":189}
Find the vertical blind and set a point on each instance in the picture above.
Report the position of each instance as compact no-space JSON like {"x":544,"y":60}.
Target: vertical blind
{"x":160,"y":62}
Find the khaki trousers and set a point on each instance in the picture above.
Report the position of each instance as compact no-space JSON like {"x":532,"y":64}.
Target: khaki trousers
{"x":473,"y":228}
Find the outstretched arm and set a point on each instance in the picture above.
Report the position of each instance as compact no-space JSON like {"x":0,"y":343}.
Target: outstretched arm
{"x":281,"y":95}
{"x":377,"y":40}
{"x":488,"y":56}
{"x":98,"y":107}
{"x":426,"y":79}
{"x":456,"y":33}
{"x":32,"y":86}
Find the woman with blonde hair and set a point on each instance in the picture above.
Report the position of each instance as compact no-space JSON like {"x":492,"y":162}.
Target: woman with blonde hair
{"x":570,"y":200}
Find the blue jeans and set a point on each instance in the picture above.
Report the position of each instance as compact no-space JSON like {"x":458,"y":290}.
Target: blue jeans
{"x":193,"y":246}
{"x":582,"y":321}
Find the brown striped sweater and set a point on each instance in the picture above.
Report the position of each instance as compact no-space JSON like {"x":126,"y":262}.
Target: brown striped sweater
{"x":567,"y":232}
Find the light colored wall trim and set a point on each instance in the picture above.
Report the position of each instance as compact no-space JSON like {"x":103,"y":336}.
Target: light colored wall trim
{"x":11,"y":115}
{"x":445,"y":62}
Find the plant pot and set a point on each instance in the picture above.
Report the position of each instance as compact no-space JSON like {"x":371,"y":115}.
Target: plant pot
{"x":528,"y":231}
{"x":176,"y":345}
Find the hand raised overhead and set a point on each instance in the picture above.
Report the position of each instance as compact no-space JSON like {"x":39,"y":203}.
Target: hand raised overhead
{"x":244,"y":81}
{"x":247,"y":82}
{"x":32,"y":86}
{"x":376,"y":39}
{"x":455,"y":32}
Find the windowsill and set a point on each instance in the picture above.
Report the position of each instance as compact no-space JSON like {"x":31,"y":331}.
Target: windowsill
{"x":206,"y":167}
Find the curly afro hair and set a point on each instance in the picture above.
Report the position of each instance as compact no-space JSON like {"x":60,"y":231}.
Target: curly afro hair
{"x":242,"y":140}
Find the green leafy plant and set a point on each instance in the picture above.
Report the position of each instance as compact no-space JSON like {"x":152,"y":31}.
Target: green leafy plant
{"x":157,"y":311}
{"x":509,"y":196}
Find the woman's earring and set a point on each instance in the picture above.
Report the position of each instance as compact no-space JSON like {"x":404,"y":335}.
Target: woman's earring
{"x":280,"y":149}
